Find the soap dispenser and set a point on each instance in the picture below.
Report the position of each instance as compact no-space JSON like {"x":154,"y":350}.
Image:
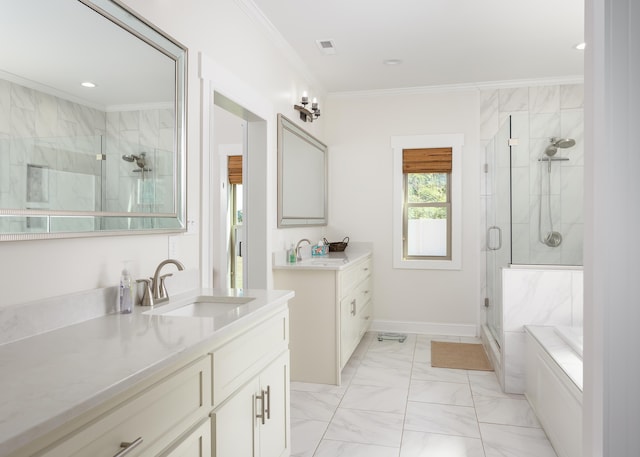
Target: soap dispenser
{"x":125,"y":292}
{"x":291,"y":254}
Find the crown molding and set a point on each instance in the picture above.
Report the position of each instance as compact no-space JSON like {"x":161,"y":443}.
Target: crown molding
{"x":489,"y":85}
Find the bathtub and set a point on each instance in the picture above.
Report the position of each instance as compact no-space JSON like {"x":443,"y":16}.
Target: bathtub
{"x":553,"y":384}
{"x":573,"y":336}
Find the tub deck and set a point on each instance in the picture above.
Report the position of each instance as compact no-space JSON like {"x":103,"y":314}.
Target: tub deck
{"x":564,"y":346}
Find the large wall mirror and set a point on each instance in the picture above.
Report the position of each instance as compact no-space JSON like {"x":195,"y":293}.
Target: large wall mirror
{"x":302,"y":177}
{"x":92,"y":122}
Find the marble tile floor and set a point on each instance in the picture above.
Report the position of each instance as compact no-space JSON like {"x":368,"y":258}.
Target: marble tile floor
{"x":392,"y":403}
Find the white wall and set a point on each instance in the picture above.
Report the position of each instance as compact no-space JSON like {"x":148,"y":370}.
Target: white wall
{"x":612,"y":211}
{"x":358,"y":132}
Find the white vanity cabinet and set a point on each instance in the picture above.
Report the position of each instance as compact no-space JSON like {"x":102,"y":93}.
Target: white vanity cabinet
{"x":254,"y":422}
{"x":355,"y":307}
{"x":251,"y":393}
{"x":329,"y":314}
{"x":150,"y":421}
{"x":229,"y":397}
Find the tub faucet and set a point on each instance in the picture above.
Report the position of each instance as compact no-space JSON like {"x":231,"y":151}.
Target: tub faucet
{"x":298,"y":256}
{"x":159,"y":291}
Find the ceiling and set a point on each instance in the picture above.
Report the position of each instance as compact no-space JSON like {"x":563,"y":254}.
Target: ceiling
{"x":54,"y":45}
{"x":440,"y":42}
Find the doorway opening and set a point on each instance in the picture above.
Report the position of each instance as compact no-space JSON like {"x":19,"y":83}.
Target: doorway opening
{"x":235,"y":204}
{"x":238,"y":231}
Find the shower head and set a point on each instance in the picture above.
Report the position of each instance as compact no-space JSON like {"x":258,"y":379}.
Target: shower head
{"x":130,"y":158}
{"x":556,"y":143}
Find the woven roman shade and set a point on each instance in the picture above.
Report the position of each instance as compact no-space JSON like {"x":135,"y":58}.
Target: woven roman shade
{"x":234,"y":165}
{"x":428,"y":160}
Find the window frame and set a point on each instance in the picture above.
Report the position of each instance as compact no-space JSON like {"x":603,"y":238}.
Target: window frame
{"x":398,"y":144}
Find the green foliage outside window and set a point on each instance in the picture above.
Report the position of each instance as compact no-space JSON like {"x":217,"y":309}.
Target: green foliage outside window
{"x":427,"y":188}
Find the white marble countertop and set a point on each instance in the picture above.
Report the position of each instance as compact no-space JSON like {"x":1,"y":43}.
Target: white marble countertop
{"x":567,"y":359}
{"x":51,"y":378}
{"x":332,"y":261}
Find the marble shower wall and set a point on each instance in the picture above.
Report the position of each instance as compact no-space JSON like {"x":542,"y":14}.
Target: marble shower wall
{"x":539,"y":113}
{"x":48,"y":148}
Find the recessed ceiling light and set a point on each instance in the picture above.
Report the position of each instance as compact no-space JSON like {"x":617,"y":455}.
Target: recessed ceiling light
{"x":392,"y":62}
{"x":581,"y":46}
{"x":88,"y":84}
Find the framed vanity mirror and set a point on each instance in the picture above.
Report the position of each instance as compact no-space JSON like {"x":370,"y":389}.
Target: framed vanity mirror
{"x":92,"y":122}
{"x":302,"y":177}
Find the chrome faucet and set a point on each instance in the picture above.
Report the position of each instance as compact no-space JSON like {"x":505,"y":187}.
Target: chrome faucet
{"x":159,"y":291}
{"x":298,"y":256}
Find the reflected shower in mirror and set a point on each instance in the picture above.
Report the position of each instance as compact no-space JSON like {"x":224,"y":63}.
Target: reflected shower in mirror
{"x":85,"y":85}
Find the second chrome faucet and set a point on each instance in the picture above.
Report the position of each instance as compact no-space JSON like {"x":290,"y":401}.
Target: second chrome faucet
{"x":298,"y":255}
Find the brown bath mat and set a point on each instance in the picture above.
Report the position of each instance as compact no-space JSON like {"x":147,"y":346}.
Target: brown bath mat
{"x":464,"y":356}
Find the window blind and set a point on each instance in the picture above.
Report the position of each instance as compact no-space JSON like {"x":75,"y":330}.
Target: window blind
{"x":234,"y":169}
{"x":427,"y":160}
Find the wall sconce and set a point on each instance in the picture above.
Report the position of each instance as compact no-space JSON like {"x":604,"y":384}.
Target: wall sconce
{"x":306,"y":114}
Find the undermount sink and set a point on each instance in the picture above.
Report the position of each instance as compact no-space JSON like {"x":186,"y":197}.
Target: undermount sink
{"x":202,"y":306}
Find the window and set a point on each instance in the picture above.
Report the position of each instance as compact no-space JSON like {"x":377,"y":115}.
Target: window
{"x":427,"y":184}
{"x":426,"y":222}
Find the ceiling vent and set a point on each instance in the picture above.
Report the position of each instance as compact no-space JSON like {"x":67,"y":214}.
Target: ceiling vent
{"x":326,"y":46}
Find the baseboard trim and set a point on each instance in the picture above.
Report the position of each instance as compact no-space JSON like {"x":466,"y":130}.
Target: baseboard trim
{"x":425,"y":328}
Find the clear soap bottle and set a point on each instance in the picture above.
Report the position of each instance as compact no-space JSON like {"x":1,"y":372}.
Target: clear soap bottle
{"x":125,"y":292}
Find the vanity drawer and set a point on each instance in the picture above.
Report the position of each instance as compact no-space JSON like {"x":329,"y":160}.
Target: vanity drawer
{"x":239,"y":360}
{"x":350,"y":277}
{"x":154,"y":418}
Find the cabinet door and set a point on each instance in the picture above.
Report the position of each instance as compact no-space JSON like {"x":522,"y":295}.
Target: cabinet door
{"x":348,"y":327}
{"x":196,"y":444}
{"x":234,"y":422}
{"x":274,"y":433}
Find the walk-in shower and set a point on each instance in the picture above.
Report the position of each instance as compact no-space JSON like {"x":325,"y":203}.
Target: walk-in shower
{"x":551,"y":238}
{"x":534,"y":191}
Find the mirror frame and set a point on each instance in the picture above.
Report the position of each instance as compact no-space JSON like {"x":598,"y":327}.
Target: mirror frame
{"x":121,"y":16}
{"x":299,"y":220}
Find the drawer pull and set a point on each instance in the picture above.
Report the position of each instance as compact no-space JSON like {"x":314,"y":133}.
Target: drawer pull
{"x":128,"y":447}
{"x":353,"y":307}
{"x":268,"y":409}
{"x":261,"y":415}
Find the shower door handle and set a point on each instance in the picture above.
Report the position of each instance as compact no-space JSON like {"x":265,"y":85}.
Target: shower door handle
{"x":489,"y":246}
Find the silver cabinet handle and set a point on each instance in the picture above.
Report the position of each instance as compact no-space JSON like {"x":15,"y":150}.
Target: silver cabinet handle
{"x":128,"y":447}
{"x":268,"y":409}
{"x":353,"y":307}
{"x":492,"y":248}
{"x":261,"y":415}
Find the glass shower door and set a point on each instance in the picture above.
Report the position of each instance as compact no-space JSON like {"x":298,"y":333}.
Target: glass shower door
{"x":498,"y":221}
